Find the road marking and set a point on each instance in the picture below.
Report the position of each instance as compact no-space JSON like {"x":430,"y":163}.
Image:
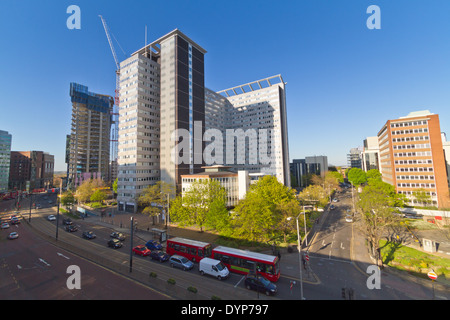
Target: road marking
{"x":61,"y":255}
{"x":44,"y":262}
{"x":342,"y":247}
{"x":239,"y":282}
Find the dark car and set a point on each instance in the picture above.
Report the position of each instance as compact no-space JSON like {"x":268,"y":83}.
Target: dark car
{"x":141,"y":250}
{"x":67,"y":222}
{"x":153,"y":245}
{"x":180,"y":262}
{"x":257,"y":282}
{"x":117,"y":235}
{"x":114,"y":243}
{"x":89,"y":235}
{"x":71,"y":228}
{"x":159,"y":255}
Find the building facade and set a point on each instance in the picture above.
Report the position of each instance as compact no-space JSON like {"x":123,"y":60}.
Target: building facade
{"x":89,"y":149}
{"x":412,"y":157}
{"x":31,"y":170}
{"x":370,"y":158}
{"x":317,"y":165}
{"x":5,"y":155}
{"x":166,"y":114}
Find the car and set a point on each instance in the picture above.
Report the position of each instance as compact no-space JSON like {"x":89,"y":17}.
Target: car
{"x":332,"y":207}
{"x":114,"y":243}
{"x":180,"y":262}
{"x":51,"y":218}
{"x":5,"y":225}
{"x":38,"y":206}
{"x":153,"y":245}
{"x":349,"y":218}
{"x":89,"y":235}
{"x":159,"y":255}
{"x":71,"y":228}
{"x":117,"y":235}
{"x":335,"y":200}
{"x":13,"y":235}
{"x":259,"y":283}
{"x":14,"y":220}
{"x":141,"y":250}
{"x":67,"y":221}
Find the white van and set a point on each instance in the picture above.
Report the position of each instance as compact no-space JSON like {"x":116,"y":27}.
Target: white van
{"x":214,"y":268}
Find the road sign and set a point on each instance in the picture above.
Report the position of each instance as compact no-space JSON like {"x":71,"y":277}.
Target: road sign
{"x":432,"y":275}
{"x":306,"y":257}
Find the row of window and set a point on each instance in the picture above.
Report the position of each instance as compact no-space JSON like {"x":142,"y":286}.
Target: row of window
{"x":415,"y":177}
{"x":416,"y":185}
{"x":410,"y":131}
{"x":413,"y":154}
{"x":408,"y":124}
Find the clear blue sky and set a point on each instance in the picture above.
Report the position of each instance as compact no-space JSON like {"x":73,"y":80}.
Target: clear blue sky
{"x":344,"y":81}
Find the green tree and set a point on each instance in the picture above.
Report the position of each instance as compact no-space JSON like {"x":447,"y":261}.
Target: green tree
{"x":260,"y":215}
{"x":422,"y":197}
{"x":373,"y":174}
{"x":357,"y":177}
{"x":313,"y":193}
{"x":98,"y":196}
{"x":67,"y":198}
{"x":202,"y":204}
{"x":155,"y":197}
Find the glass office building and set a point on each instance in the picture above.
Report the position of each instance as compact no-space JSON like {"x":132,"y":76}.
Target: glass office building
{"x":5,"y":155}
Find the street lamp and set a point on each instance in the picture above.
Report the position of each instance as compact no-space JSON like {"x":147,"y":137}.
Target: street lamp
{"x":131,"y":244}
{"x":299,"y":256}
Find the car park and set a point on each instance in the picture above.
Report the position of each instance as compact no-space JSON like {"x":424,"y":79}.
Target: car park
{"x":261,"y":284}
{"x":13,"y":235}
{"x":114,"y":243}
{"x":180,"y":262}
{"x":153,"y":245}
{"x":213,"y":268}
{"x":89,"y":235}
{"x":159,"y":255}
{"x":117,"y":235}
{"x":141,"y":250}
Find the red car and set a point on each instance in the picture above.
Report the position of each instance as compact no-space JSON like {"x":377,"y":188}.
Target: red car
{"x":142,"y":250}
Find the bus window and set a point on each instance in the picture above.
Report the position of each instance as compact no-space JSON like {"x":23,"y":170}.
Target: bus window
{"x":193,"y":251}
{"x":200,"y":252}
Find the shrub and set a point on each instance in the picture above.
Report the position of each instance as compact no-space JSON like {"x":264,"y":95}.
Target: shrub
{"x":192,"y":289}
{"x":171,"y":281}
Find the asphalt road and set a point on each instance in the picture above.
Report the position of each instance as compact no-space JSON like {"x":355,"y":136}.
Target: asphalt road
{"x":33,"y":269}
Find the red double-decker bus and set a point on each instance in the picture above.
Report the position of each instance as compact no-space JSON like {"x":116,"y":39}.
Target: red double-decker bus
{"x":191,"y":249}
{"x":243,"y":262}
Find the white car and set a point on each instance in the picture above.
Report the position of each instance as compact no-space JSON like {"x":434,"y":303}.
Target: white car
{"x":5,"y":225}
{"x":51,"y":218}
{"x":348,"y":218}
{"x":13,"y":235}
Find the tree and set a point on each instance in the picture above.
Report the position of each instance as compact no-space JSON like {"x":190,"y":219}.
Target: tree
{"x":261,"y":215}
{"x":154,"y":197}
{"x":98,"y":196}
{"x":377,"y":216}
{"x":422,"y":197}
{"x":357,"y":177}
{"x":67,"y":198}
{"x":201,"y":205}
{"x":315,"y":194}
{"x":286,"y":211}
{"x":87,"y":188}
{"x":373,"y":174}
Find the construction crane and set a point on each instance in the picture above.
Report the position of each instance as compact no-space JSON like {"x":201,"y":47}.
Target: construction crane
{"x":114,"y":114}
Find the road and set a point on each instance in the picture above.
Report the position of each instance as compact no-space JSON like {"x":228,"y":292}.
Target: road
{"x":33,"y":269}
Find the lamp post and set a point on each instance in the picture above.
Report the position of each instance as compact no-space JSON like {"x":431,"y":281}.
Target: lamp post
{"x":131,"y":244}
{"x":299,"y":257}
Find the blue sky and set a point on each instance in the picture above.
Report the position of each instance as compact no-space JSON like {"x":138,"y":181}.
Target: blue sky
{"x":344,"y":81}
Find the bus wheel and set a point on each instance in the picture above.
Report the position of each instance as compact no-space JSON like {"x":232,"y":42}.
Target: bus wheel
{"x":202,"y":273}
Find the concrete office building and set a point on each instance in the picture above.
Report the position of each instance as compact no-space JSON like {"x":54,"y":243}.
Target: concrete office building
{"x":370,"y":158}
{"x":235,"y":183}
{"x":412,"y":157}
{"x":317,"y":165}
{"x":90,"y":135}
{"x":252,"y":119}
{"x":163,"y":97}
{"x":5,"y":155}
